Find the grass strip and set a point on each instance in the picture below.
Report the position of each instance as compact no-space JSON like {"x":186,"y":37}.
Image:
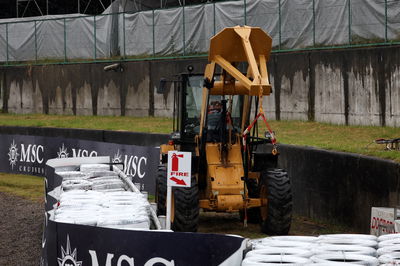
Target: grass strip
{"x":29,"y":187}
{"x":121,"y":123}
{"x":354,"y":139}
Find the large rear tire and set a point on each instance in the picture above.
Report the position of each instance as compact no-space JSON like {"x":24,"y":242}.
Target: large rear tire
{"x":184,"y":205}
{"x":275,"y":192}
{"x":186,"y":208}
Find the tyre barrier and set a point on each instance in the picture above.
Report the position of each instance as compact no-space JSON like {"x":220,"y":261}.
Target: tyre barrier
{"x":331,"y":263}
{"x":280,"y":251}
{"x":295,"y":238}
{"x":350,"y":236}
{"x":331,"y":249}
{"x":388,"y":237}
{"x":348,"y":241}
{"x":391,"y":258}
{"x":345,"y":257}
{"x":389,"y":242}
{"x":282,"y":243}
{"x":275,"y":260}
{"x":355,"y":249}
{"x":388,"y":250}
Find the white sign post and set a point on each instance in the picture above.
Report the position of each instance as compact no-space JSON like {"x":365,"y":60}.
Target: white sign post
{"x":179,"y":173}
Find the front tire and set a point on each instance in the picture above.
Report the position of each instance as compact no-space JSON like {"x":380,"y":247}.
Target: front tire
{"x":186,"y":208}
{"x":185,"y":203}
{"x":275,"y":191}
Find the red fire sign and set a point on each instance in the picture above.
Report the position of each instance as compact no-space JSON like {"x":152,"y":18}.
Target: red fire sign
{"x":179,"y":169}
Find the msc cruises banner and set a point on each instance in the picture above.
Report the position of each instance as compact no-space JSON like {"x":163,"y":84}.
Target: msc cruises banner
{"x":66,"y":244}
{"x":24,"y":154}
{"x":73,"y":244}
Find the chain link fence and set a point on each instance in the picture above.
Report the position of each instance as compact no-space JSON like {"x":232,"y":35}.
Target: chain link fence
{"x":186,"y":31}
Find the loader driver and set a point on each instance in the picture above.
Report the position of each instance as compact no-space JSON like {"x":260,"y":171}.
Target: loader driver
{"x":215,"y":121}
{"x":214,"y":115}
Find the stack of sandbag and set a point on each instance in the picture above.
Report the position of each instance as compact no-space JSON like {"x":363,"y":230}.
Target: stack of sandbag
{"x":102,"y":178}
{"x":96,"y":177}
{"x":73,"y":180}
{"x":121,"y":209}
{"x":126,"y":210}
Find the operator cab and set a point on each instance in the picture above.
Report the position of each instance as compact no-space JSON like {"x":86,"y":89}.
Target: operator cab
{"x":221,"y":110}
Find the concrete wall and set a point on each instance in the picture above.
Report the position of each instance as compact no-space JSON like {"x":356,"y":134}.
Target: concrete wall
{"x":357,"y":86}
{"x":340,"y":187}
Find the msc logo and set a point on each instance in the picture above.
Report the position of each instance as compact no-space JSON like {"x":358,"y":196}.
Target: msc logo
{"x":29,"y":153}
{"x":63,"y":152}
{"x":69,"y":257}
{"x":13,"y":154}
{"x":133,"y":165}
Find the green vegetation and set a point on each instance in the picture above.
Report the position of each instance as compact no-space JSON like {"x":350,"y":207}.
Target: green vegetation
{"x":29,"y":187}
{"x":355,"y":139}
{"x":121,"y":123}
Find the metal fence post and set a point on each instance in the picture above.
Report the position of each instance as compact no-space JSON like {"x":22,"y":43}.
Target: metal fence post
{"x":94,"y":36}
{"x":349,"y":10}
{"x":154,"y":36}
{"x":245,"y":11}
{"x":65,"y":40}
{"x":280,"y":25}
{"x":214,"y":17}
{"x":36,"y":42}
{"x":7,"y":55}
{"x":313,"y":19}
{"x":123,"y":26}
{"x":183,"y":29}
{"x":386,"y":22}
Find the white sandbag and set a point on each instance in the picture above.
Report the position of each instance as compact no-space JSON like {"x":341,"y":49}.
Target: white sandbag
{"x":72,"y":175}
{"x":76,"y":184}
{"x":94,"y":174}
{"x":104,"y":178}
{"x":94,"y":167}
{"x":108,"y":185}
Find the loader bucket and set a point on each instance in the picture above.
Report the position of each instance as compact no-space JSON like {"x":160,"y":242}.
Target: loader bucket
{"x":228,"y":44}
{"x":241,"y":44}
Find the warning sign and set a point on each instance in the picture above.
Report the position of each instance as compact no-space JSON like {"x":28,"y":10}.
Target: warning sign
{"x":179,"y":169}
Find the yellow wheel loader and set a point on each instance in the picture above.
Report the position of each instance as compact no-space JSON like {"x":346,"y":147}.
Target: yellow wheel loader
{"x":216,"y":118}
